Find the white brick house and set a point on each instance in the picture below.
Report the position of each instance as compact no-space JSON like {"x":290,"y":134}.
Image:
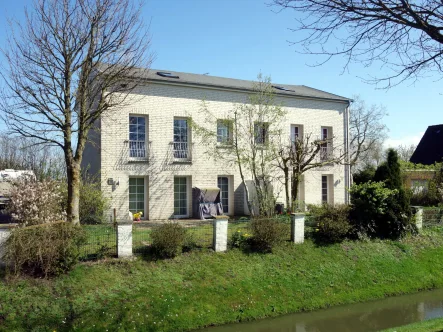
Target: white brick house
{"x":144,"y":166}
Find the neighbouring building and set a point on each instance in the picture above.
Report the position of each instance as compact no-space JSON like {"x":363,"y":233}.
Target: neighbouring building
{"x":147,"y":160}
{"x":430,"y":149}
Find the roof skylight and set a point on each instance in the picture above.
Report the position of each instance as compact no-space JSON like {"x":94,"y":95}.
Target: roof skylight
{"x":165,"y":74}
{"x":282,"y":88}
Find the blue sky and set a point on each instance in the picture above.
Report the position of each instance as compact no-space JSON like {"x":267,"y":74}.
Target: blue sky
{"x":240,"y":38}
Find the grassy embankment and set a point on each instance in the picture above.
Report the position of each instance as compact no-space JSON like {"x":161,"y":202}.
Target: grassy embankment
{"x":203,"y":288}
{"x":433,"y":325}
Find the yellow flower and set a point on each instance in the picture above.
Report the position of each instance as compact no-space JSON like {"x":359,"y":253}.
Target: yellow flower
{"x":238,"y":231}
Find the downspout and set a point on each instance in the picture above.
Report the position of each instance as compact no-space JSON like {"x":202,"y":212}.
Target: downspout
{"x":347,"y":161}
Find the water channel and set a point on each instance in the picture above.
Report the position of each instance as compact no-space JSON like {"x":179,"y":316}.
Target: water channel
{"x":361,"y":317}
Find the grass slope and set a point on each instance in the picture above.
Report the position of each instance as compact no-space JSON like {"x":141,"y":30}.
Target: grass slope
{"x":203,"y":288}
{"x":434,"y":325}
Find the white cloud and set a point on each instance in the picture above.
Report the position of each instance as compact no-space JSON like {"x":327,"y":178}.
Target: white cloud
{"x":405,"y":140}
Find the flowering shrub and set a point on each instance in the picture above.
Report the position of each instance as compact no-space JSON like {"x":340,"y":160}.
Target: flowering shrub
{"x":239,"y":239}
{"x":34,"y":203}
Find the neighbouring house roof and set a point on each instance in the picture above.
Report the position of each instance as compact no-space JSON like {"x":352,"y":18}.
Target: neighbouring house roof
{"x":430,"y":148}
{"x":174,"y":77}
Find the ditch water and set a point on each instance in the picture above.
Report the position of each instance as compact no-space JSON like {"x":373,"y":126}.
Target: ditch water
{"x":361,"y":317}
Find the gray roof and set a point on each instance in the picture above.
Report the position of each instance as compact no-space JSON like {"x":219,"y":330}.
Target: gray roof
{"x":231,"y":83}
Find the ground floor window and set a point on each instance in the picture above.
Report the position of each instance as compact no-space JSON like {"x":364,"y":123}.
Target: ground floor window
{"x":180,"y":196}
{"x":137,"y":195}
{"x":223,"y":184}
{"x":324,"y":189}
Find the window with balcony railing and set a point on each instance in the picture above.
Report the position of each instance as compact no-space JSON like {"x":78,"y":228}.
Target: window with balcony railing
{"x":137,"y":137}
{"x":326,"y":147}
{"x":181,"y":147}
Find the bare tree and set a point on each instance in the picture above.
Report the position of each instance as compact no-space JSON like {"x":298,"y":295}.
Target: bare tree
{"x":366,"y":130}
{"x":405,"y":152}
{"x":250,"y":132}
{"x":25,"y":154}
{"x":67,"y":66}
{"x":300,"y":154}
{"x":405,"y":36}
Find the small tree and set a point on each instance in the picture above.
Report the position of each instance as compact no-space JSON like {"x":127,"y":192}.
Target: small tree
{"x":367,"y":132}
{"x":301,"y":154}
{"x":253,"y":128}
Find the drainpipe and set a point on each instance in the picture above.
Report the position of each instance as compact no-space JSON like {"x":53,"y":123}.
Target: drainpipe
{"x":347,"y":160}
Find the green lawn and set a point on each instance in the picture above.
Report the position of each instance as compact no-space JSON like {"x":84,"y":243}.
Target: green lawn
{"x":433,"y":325}
{"x":202,"y":288}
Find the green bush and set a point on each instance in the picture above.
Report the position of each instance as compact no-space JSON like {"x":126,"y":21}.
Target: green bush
{"x":93,"y":203}
{"x":378,"y":211}
{"x":168,"y":240}
{"x":267,"y":233}
{"x":332,"y":221}
{"x":44,"y":250}
{"x":365,"y":175}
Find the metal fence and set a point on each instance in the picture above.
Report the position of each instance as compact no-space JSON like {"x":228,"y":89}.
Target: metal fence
{"x":199,"y":234}
{"x":101,"y":241}
{"x":432,"y":216}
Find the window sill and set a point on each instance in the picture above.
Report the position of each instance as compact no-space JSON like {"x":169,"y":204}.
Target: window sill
{"x":184,"y":161}
{"x":138,"y":160}
{"x":224,"y":146}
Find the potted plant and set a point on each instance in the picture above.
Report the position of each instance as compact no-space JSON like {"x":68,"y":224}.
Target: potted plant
{"x":138,"y":216}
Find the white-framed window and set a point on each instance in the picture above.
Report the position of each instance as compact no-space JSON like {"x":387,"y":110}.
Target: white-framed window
{"x":261,"y":132}
{"x":223,"y":184}
{"x":224,"y":131}
{"x":137,"y":137}
{"x":326,"y":148}
{"x":181,"y":192}
{"x":181,"y":140}
{"x":419,"y":186}
{"x":296,"y":132}
{"x":137,"y":195}
{"x":324,"y":189}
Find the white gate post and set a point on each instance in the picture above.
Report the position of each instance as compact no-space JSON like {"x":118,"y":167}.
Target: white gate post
{"x":220,"y":237}
{"x":124,"y":239}
{"x":297,"y":227}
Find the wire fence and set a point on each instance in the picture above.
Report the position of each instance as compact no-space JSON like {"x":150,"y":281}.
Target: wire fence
{"x":101,"y":241}
{"x":199,"y":234}
{"x":432,"y":216}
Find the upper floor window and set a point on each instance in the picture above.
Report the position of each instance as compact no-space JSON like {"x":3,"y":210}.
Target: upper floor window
{"x":137,"y":137}
{"x":224,"y":131}
{"x":326,"y":146}
{"x":261,"y":132}
{"x":296,"y":132}
{"x":181,"y":144}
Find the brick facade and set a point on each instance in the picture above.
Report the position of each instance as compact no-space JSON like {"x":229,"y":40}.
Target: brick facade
{"x":160,"y":103}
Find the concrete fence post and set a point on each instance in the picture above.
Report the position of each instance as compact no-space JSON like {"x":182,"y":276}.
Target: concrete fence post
{"x":418,"y":213}
{"x":220,"y":237}
{"x":297,"y":227}
{"x":124,"y":239}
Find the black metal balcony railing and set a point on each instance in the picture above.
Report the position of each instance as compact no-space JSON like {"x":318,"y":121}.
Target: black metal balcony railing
{"x":325,"y":153}
{"x":138,"y":150}
{"x":181,"y":151}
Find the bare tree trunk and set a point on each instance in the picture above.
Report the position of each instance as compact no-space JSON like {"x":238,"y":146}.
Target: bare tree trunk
{"x":294,"y":188}
{"x":73,"y":192}
{"x":286,"y":172}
